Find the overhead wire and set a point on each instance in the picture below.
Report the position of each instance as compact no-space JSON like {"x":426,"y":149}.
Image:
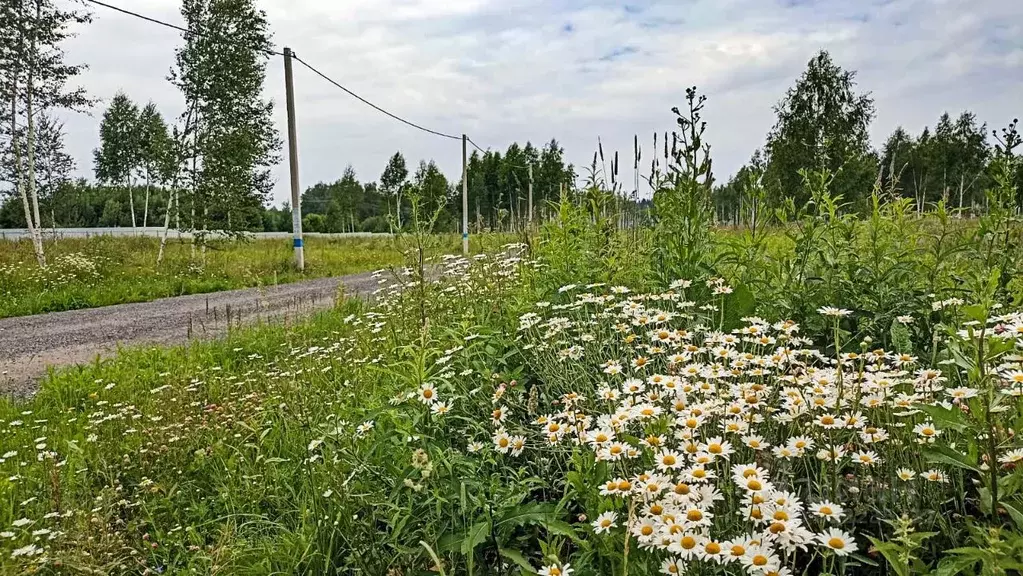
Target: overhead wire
{"x":300,"y":60}
{"x":163,"y":23}
{"x":372,"y":105}
{"x":476,"y":145}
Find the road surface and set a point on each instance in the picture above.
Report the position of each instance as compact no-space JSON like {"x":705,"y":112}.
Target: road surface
{"x":31,"y":344}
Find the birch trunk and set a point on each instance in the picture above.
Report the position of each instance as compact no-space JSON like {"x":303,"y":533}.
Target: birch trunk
{"x":166,"y":228}
{"x":34,"y":221}
{"x":145,"y":210}
{"x":131,"y":203}
{"x":20,"y":178}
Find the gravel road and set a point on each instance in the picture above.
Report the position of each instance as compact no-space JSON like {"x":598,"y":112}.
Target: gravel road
{"x":31,"y":344}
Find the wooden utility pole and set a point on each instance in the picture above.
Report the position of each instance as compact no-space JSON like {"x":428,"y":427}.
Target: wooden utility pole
{"x":465,"y":200}
{"x":296,"y":199}
{"x":530,"y":221}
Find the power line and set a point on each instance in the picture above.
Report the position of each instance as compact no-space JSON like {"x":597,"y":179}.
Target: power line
{"x":303,"y":62}
{"x":372,"y":105}
{"x":162,"y":23}
{"x":476,"y":145}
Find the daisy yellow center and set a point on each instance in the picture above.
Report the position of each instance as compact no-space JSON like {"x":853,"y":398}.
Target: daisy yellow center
{"x":653,"y":440}
{"x":694,"y":515}
{"x":605,"y":523}
{"x":836,"y":543}
{"x":781,"y":515}
{"x":738,"y":550}
{"x":800,"y":444}
{"x":927,"y":431}
{"x":827,"y":420}
{"x":760,"y":560}
{"x":754,"y":484}
{"x":600,"y":437}
{"x":648,"y":411}
{"x":656,"y":509}
{"x":682,"y":489}
{"x":699,"y":473}
{"x":646,"y":530}
{"x":427,"y":393}
{"x":712,"y":548}
{"x":555,"y":572}
{"x":668,"y":460}
{"x":688,"y":542}
{"x":826,"y":510}
{"x":756,"y":514}
{"x":503,"y":442}
{"x":777,"y":528}
{"x":692,"y":423}
{"x":758,"y":499}
{"x":714,"y":448}
{"x":611,"y":485}
{"x":616,"y":450}
{"x":624,"y":486}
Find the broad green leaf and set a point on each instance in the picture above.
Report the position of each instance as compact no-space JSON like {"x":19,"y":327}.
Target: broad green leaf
{"x":944,"y":417}
{"x":560,"y":528}
{"x":891,"y":554}
{"x":518,"y":559}
{"x":527,"y":514}
{"x":948,"y":456}
{"x":1015,"y":513}
{"x":477,"y":534}
{"x":953,"y":565}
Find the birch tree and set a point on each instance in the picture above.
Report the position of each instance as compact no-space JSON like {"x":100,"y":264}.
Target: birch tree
{"x":117,"y":158}
{"x":232,"y":143}
{"x":34,"y":78}
{"x":154,"y":151}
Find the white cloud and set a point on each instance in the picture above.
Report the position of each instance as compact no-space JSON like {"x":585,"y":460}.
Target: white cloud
{"x":507,"y":70}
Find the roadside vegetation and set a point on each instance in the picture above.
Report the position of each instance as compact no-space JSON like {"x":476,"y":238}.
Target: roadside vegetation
{"x":105,"y":270}
{"x":838,"y":393}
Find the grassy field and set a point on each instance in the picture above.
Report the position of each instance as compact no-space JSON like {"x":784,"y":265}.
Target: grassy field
{"x":104,"y":270}
{"x":839,"y":395}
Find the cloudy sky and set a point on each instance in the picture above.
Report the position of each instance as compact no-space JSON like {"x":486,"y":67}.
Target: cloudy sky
{"x":575,"y":70}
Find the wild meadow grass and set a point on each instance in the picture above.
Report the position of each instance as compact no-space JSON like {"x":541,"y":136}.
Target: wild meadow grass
{"x":836,"y":393}
{"x":104,"y":270}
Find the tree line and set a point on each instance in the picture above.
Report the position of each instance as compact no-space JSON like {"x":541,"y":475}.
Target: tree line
{"x":209,"y":168}
{"x":823,"y":126}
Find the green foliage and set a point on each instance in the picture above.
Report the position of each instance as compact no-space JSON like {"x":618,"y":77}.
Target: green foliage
{"x":822,"y":125}
{"x":682,"y":204}
{"x":106,"y":270}
{"x":229,"y":142}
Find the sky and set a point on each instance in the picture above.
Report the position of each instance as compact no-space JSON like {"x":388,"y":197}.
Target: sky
{"x":503,"y":71}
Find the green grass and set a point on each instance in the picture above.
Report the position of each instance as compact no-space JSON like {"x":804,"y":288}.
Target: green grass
{"x":104,"y":270}
{"x":368,"y":439}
